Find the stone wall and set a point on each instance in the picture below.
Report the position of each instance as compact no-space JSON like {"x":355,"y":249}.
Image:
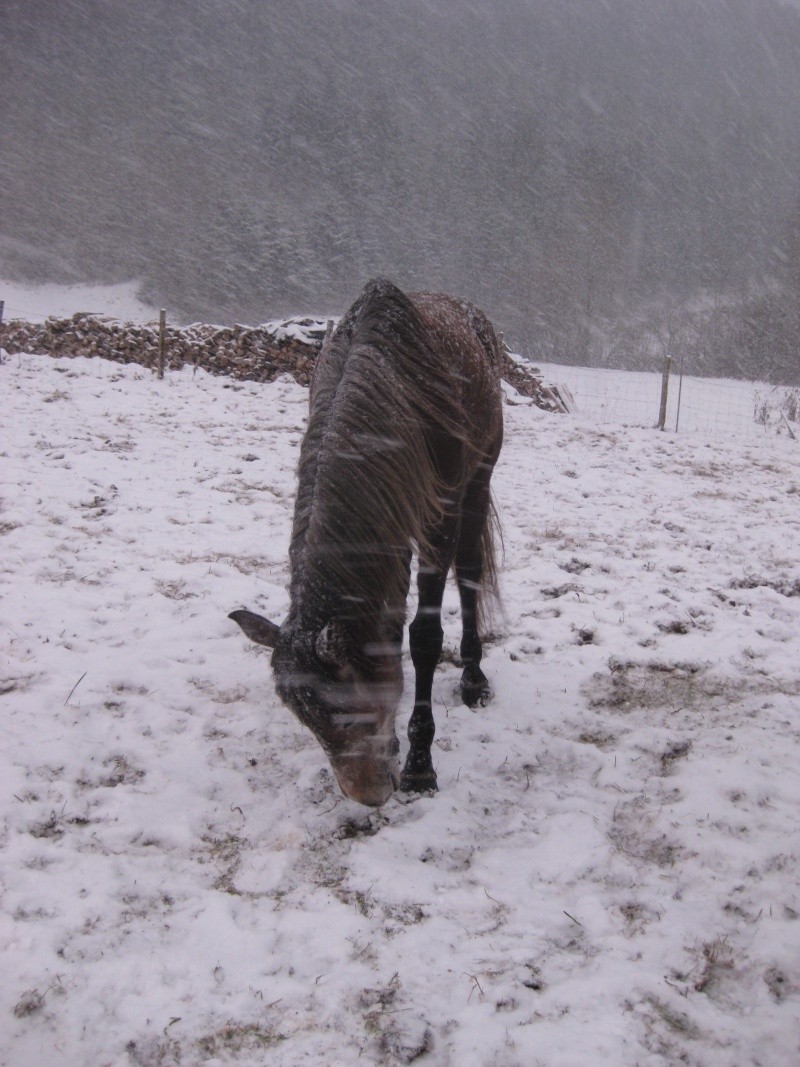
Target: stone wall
{"x":253,"y":353}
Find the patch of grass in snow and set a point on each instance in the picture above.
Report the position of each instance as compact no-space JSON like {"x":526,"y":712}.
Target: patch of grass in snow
{"x":787,"y":587}
{"x":717,"y":970}
{"x":29,"y":1003}
{"x":716,"y":959}
{"x":219,"y":695}
{"x":599,"y":738}
{"x":16,"y":683}
{"x":129,"y":687}
{"x":397,"y":1036}
{"x":32,"y":1000}
{"x":248,"y":565}
{"x":361,"y":900}
{"x":55,"y":825}
{"x":401,"y":915}
{"x":226,"y":854}
{"x":155,"y":1052}
{"x":637,"y":916}
{"x":636,"y":685}
{"x":236,"y":1037}
{"x":663,"y":1024}
{"x":119,"y":771}
{"x":174,"y":590}
{"x":632,"y":686}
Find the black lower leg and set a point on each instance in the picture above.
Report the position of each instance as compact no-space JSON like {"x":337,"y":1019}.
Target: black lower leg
{"x":425,"y":639}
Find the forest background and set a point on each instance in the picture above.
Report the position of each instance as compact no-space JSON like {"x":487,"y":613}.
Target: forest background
{"x":610,"y":181}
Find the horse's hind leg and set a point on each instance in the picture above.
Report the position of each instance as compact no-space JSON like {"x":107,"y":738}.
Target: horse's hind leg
{"x":425,"y":641}
{"x":475,"y":688}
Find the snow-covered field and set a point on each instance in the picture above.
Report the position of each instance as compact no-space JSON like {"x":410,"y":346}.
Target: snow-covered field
{"x":609,"y":873}
{"x":35,"y":303}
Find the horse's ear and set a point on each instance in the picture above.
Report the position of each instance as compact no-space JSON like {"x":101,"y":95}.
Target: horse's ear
{"x":330,"y":645}
{"x":257,"y":628}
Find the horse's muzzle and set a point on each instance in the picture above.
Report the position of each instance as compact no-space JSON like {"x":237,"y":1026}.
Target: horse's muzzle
{"x":367,"y":781}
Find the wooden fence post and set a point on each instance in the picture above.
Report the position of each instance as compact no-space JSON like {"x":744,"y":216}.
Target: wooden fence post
{"x":162,"y":331}
{"x":662,"y":412}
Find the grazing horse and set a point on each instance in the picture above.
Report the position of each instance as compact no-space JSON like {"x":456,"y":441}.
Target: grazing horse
{"x":404,"y":429}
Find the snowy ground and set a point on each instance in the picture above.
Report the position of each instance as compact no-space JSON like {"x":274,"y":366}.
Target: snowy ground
{"x":609,"y":873}
{"x":35,"y":303}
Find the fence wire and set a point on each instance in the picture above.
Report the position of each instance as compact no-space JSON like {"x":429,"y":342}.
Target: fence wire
{"x":694,"y":405}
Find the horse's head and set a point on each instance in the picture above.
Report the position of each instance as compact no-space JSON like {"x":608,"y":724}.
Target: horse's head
{"x":347,"y":699}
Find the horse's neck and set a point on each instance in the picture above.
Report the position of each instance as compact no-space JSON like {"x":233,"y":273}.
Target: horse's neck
{"x":345,"y":535}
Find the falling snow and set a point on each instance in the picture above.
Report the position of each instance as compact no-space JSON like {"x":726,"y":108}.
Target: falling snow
{"x":609,"y":872}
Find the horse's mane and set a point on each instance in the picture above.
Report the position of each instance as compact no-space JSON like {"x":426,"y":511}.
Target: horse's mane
{"x":368,"y":483}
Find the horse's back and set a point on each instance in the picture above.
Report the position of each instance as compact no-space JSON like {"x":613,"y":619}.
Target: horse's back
{"x":463,"y":337}
{"x":444,"y":347}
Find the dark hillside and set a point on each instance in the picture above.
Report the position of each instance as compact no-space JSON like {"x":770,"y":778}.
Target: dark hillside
{"x":566,"y":165}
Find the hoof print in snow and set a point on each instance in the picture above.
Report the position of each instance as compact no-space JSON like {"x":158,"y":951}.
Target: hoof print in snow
{"x":121,"y":772}
{"x":585,"y":636}
{"x":352,"y":828}
{"x":530,"y":976}
{"x":575,"y":566}
{"x":676,"y":751}
{"x":779,"y":984}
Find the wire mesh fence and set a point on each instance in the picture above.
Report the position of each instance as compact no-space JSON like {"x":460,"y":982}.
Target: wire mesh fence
{"x":694,"y":404}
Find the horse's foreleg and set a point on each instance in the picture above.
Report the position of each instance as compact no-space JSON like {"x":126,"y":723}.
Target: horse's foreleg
{"x":425,"y":640}
{"x":475,"y":688}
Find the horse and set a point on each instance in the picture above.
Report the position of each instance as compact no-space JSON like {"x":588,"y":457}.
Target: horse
{"x":405,"y":426}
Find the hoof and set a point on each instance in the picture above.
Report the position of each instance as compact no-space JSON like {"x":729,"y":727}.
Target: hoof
{"x":475,"y":690}
{"x":420,"y":782}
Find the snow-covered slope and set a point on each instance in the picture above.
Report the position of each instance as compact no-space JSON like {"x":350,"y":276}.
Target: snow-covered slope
{"x":35,"y":302}
{"x":609,"y":873}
